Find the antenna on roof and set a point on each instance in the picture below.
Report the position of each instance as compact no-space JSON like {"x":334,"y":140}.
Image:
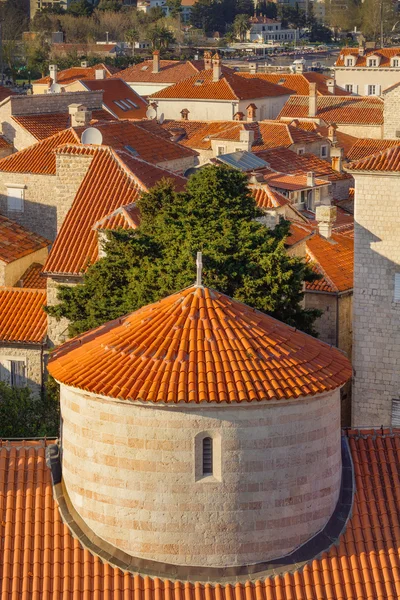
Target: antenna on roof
{"x":199,"y":265}
{"x":151,"y":113}
{"x":92,"y":136}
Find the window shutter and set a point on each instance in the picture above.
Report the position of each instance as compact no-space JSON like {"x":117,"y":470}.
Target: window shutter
{"x":378,"y":90}
{"x":355,"y":88}
{"x":5,"y":371}
{"x":15,"y":199}
{"x":366,"y":90}
{"x":397,"y":287}
{"x":396,"y":413}
{"x":18,"y":378}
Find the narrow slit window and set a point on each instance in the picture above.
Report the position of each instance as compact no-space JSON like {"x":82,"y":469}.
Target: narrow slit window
{"x":207,"y":456}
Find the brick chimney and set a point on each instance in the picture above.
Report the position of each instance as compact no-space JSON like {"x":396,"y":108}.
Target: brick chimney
{"x":330,"y":84}
{"x":312,"y":100}
{"x":100,"y":73}
{"x":185,"y":114}
{"x":80,"y":115}
{"x":332,"y":133}
{"x":325,"y":217}
{"x":337,"y":158}
{"x":207,"y":60}
{"x":310,"y":179}
{"x":238,"y":116}
{"x":251,"y":112}
{"x":216,"y":66}
{"x":53,"y":70}
{"x":156,"y":61}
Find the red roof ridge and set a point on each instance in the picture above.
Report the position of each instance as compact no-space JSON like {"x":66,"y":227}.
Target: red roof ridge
{"x":319,"y":266}
{"x":379,"y":162}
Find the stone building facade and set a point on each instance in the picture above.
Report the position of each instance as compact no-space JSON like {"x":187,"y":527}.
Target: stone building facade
{"x":376,"y":310}
{"x":32,"y":356}
{"x":391,"y":112}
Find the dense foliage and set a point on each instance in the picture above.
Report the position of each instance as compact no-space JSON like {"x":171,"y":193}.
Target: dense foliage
{"x":24,"y":415}
{"x":217,"y":215}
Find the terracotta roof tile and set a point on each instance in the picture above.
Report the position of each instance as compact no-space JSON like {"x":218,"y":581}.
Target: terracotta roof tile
{"x":298,"y":233}
{"x":72,"y":74}
{"x":334,"y":258}
{"x":22,"y":318}
{"x":33,"y":278}
{"x":299,"y":83}
{"x":44,"y":126}
{"x":115,"y":91}
{"x":171,"y":71}
{"x":16,"y":241}
{"x":125,"y":217}
{"x":385,"y":161}
{"x":173,"y":336}
{"x":363,"y":110}
{"x":320,"y":285}
{"x":266,"y":197}
{"x":292,"y":182}
{"x":384,"y":53}
{"x":366,"y":147}
{"x":40,"y":558}
{"x":5,"y":144}
{"x":229,"y":87}
{"x":5,"y":92}
{"x":113,"y":180}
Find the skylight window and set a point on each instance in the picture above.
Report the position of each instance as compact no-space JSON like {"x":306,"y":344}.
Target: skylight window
{"x":129,"y":101}
{"x":145,"y":68}
{"x":132,"y":151}
{"x":120,"y":105}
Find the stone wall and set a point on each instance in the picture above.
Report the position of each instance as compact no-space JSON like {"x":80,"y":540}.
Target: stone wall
{"x":326,"y":323}
{"x":71,"y":170}
{"x":376,"y":316}
{"x":130,"y":471}
{"x":57,"y":330}
{"x":54,"y":103}
{"x":33,"y":357}
{"x":180,"y":165}
{"x":391,"y":113}
{"x":362,"y":131}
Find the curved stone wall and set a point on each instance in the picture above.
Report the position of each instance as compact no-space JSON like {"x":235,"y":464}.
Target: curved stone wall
{"x":133,"y":472}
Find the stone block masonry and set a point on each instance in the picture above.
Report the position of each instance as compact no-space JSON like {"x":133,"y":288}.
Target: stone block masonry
{"x":54,"y":103}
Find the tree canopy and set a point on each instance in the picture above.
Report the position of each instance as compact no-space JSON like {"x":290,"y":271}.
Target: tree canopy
{"x":215,"y":214}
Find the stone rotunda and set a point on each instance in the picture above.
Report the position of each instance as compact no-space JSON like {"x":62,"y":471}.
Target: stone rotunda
{"x":198,"y":432}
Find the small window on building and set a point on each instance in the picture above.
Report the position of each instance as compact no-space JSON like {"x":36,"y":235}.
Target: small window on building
{"x":372,"y":90}
{"x":397,"y":287}
{"x":300,"y":150}
{"x":395,"y":413}
{"x":395,"y":62}
{"x":349,"y":87}
{"x":324,"y":151}
{"x":372,"y":62}
{"x":349,"y":62}
{"x":220,"y":150}
{"x":207,"y":456}
{"x":15,"y":198}
{"x":12,"y":372}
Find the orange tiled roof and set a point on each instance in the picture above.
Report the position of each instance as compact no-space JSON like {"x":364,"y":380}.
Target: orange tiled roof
{"x":199,"y":346}
{"x":299,"y":83}
{"x":40,"y":557}
{"x":16,"y":241}
{"x":171,"y":71}
{"x":125,"y":217}
{"x":229,"y":87}
{"x":363,"y":110}
{"x":320,"y":285}
{"x":385,"y":161}
{"x":286,"y":161}
{"x":22,"y":318}
{"x":298,"y":232}
{"x":43,"y":126}
{"x":267,"y":134}
{"x":33,"y":278}
{"x":343,"y":140}
{"x":113,"y":180}
{"x":74,"y":73}
{"x":116,"y":90}
{"x":292,"y":182}
{"x":384,"y":53}
{"x":266,"y":197}
{"x":335,"y":260}
{"x":366,"y":147}
{"x":5,"y":92}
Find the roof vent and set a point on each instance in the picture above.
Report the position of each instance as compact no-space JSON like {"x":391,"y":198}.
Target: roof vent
{"x":92,"y":136}
{"x":199,"y":82}
{"x":145,"y":68}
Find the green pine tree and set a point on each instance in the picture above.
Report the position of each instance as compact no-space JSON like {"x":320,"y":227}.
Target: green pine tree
{"x":217,"y":215}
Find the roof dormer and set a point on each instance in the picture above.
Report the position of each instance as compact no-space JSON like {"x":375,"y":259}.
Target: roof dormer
{"x":373,"y":60}
{"x":350,"y":60}
{"x":395,"y":60}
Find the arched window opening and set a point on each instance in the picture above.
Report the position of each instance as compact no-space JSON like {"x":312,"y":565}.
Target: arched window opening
{"x":207,"y":456}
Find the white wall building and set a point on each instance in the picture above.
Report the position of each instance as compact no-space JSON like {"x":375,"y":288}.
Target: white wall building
{"x":269,"y":31}
{"x":367,"y":72}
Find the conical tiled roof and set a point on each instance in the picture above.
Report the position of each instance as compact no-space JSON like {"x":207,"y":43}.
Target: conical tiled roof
{"x":199,"y":345}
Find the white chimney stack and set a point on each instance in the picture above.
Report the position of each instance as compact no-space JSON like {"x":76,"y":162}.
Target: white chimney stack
{"x":310,"y":179}
{"x":325,"y":217}
{"x":247,"y":137}
{"x":312,"y":100}
{"x":53,"y":69}
{"x":330,"y":84}
{"x":80,"y":115}
{"x":216,"y":64}
{"x":337,"y":158}
{"x":84,"y":64}
{"x":100,"y":73}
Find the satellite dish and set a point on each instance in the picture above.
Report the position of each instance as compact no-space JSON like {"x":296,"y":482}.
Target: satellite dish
{"x":151,"y":113}
{"x":161,"y":119}
{"x":55,"y":88}
{"x":92,"y":136}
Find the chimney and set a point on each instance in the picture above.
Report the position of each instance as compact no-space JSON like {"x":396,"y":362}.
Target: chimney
{"x":185,"y":114}
{"x":207,"y":60}
{"x":251,"y":112}
{"x":100,"y":73}
{"x":53,"y":69}
{"x":337,"y":158}
{"x":156,"y":61}
{"x":332,"y":133}
{"x":239,"y":116}
{"x":253,"y":67}
{"x":84,"y":64}
{"x":310,"y":179}
{"x":361,"y":47}
{"x":330,"y":84}
{"x":312,"y":100}
{"x":325,"y":217}
{"x":216,"y":65}
{"x":80,"y":115}
{"x":247,"y":137}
